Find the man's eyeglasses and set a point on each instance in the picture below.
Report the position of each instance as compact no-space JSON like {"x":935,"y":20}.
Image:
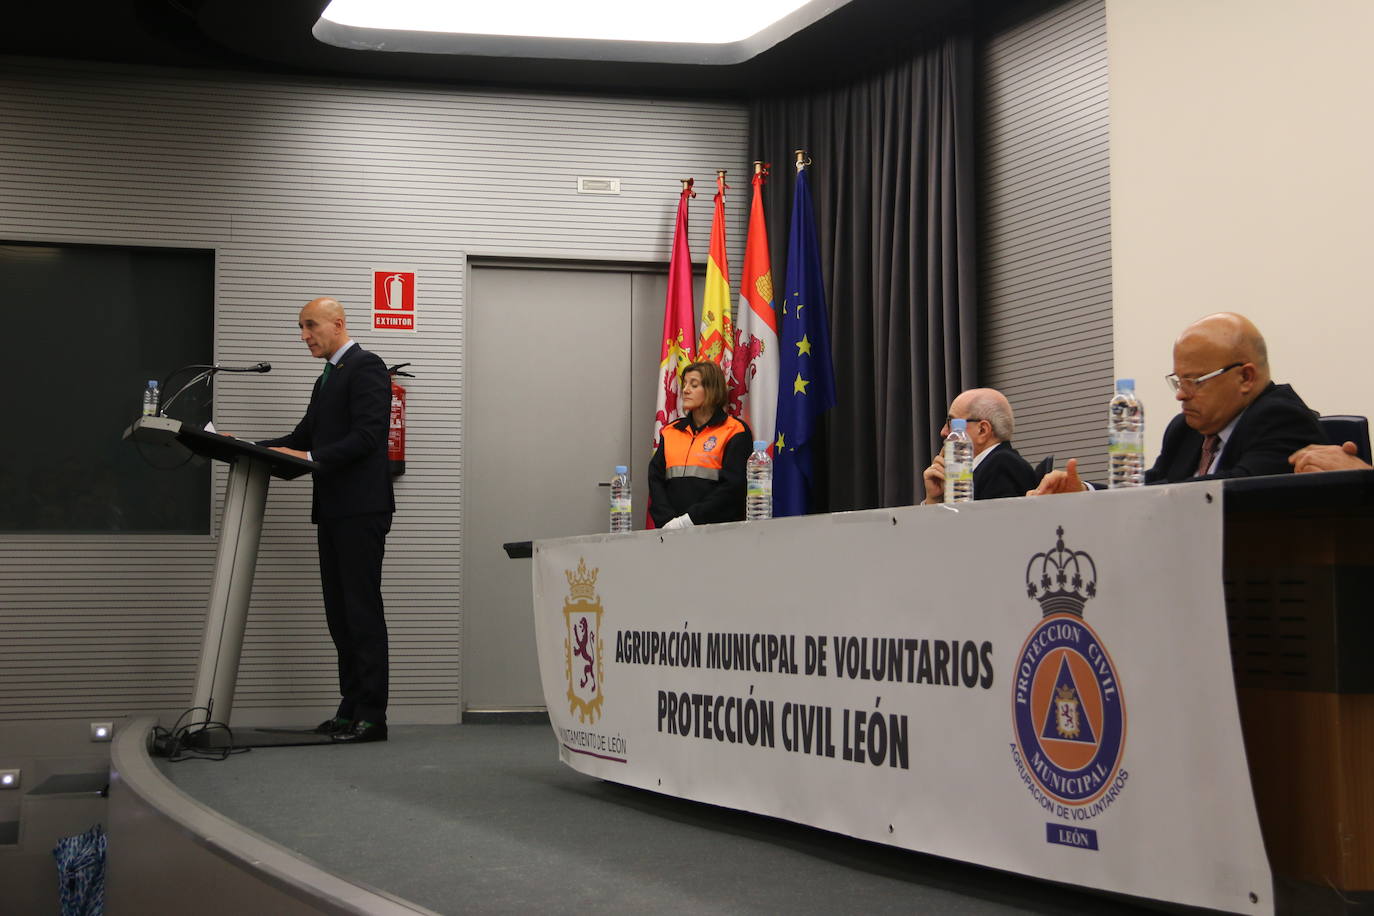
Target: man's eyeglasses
{"x":1193,"y":384}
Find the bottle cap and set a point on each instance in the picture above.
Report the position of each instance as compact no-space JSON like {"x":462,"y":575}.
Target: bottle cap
{"x":959,"y":425}
{"x":760,"y":445}
{"x":152,"y":383}
{"x":621,"y":469}
{"x":1125,"y":384}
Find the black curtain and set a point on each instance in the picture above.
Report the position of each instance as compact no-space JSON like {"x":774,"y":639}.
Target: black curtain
{"x":893,"y":184}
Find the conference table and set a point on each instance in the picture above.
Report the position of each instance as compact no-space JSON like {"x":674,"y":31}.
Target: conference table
{"x":859,"y":672}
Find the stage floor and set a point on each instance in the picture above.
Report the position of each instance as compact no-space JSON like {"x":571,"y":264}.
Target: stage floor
{"x":485,"y":819}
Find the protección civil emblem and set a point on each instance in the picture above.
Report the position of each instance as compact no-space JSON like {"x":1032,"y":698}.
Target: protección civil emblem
{"x":1068,"y":713}
{"x":582,"y":645}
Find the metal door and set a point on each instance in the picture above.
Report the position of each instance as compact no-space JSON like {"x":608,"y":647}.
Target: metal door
{"x":559,"y":389}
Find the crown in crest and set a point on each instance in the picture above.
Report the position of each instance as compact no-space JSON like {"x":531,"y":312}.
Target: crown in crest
{"x":582,"y":584}
{"x":1062,"y":580}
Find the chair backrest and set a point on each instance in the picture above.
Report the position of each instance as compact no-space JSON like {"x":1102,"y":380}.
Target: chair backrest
{"x":1340,"y":429}
{"x":1044,"y":467}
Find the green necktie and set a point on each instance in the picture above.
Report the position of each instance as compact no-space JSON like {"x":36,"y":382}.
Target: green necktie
{"x":324,"y":377}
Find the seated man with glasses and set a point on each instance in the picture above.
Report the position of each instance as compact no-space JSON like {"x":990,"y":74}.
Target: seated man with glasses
{"x":1234,"y":421}
{"x":998,"y":469}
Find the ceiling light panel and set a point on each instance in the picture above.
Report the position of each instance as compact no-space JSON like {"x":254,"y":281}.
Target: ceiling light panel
{"x":710,"y":31}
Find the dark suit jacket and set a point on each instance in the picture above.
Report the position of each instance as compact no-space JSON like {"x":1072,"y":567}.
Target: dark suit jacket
{"x":1274,"y":426}
{"x":345,"y":430}
{"x":1002,"y":473}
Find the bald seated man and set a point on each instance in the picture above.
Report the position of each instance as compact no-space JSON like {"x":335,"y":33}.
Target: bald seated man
{"x":1233,"y":420}
{"x":345,"y":431}
{"x":999,"y":470}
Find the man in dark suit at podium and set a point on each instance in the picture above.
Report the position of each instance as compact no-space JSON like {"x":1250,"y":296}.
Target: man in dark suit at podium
{"x":999,"y":471}
{"x":345,"y":431}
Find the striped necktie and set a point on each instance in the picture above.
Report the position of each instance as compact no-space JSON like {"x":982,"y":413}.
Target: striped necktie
{"x":1209,"y":451}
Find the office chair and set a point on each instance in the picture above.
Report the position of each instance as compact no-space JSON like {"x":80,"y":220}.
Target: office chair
{"x":1044,"y":467}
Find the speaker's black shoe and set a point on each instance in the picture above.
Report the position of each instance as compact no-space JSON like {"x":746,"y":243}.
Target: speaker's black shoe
{"x":333,"y":726}
{"x":361,"y":732}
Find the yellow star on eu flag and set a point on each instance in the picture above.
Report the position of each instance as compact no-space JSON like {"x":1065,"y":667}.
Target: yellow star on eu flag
{"x":804,"y":346}
{"x":799,"y":386}
{"x":779,"y":445}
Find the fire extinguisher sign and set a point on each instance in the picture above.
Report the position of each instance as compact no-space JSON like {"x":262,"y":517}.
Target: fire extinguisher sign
{"x":393,"y":300}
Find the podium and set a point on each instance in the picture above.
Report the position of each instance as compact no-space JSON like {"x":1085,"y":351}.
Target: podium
{"x":1299,"y":572}
{"x":245,"y":499}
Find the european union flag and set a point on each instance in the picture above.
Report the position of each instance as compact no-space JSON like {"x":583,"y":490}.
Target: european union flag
{"x":806,"y":379}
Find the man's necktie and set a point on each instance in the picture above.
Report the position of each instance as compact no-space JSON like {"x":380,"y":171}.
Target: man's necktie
{"x":324,"y":376}
{"x":1209,"y":451}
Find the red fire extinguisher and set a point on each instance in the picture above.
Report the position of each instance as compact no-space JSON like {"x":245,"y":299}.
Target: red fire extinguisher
{"x":396,"y":437}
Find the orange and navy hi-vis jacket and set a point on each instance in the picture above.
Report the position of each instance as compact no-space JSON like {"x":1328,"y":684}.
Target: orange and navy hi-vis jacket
{"x":700,"y":471}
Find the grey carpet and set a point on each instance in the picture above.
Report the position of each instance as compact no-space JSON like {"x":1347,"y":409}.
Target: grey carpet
{"x":485,"y":819}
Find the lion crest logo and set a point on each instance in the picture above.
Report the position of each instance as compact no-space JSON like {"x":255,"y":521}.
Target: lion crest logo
{"x":583,"y":648}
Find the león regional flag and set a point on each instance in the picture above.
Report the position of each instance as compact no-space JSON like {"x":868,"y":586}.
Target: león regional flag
{"x":754,"y":369}
{"x":676,"y":352}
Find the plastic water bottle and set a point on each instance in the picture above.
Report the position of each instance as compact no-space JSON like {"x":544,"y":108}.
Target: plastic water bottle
{"x":1125,"y":437}
{"x":758,"y":500}
{"x":620,"y":501}
{"x":958,"y":463}
{"x":150,"y":397}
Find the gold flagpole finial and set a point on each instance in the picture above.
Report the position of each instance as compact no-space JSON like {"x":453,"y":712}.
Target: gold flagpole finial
{"x":803,"y":160}
{"x":686,"y":183}
{"x":758,"y":166}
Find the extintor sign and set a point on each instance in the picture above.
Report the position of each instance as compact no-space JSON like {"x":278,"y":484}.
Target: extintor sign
{"x":393,"y":300}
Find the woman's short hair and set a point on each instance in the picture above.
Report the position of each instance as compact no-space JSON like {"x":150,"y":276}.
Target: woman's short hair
{"x":712,"y":379}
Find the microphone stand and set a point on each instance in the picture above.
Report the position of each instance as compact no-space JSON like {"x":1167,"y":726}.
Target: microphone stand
{"x":196,"y":379}
{"x":207,"y":372}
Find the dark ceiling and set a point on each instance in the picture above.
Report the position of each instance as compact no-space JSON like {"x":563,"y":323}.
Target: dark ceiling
{"x":274,"y":36}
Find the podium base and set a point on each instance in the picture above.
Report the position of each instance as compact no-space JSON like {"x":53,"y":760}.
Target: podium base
{"x":218,"y":738}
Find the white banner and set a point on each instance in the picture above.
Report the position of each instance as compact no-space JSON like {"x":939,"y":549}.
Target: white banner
{"x":1037,"y":685}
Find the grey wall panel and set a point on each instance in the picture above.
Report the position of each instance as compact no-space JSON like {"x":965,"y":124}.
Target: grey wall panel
{"x":1045,"y":284}
{"x":301,"y":188}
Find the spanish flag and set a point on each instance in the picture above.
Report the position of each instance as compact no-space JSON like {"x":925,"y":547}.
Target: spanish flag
{"x":717,"y":332}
